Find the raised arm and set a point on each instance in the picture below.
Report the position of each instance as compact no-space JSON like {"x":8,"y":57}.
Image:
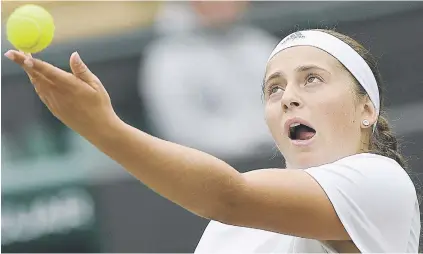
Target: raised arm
{"x":285,"y":201}
{"x":280,"y":200}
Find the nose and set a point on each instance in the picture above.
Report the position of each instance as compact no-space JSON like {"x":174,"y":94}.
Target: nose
{"x":290,"y":99}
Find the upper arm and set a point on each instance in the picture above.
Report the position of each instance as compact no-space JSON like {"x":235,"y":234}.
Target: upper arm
{"x":373,"y":207}
{"x":288,"y":202}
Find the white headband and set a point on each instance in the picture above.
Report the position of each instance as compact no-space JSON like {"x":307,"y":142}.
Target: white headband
{"x":354,"y":63}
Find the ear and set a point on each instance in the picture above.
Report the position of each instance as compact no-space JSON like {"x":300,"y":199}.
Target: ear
{"x":368,"y":113}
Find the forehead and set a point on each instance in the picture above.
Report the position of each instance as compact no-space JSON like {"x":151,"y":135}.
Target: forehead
{"x":289,"y":59}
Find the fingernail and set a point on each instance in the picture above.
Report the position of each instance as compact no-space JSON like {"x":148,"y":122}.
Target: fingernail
{"x":28,"y":63}
{"x":77,"y":58}
{"x":9,"y":55}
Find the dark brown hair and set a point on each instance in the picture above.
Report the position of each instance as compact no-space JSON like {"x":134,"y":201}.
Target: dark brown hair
{"x":383,"y":141}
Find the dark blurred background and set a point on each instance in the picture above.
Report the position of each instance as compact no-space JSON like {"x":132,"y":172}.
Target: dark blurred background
{"x":189,"y":72}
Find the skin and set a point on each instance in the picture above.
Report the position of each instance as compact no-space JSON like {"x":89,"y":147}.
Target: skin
{"x":286,"y":201}
{"x":307,"y":82}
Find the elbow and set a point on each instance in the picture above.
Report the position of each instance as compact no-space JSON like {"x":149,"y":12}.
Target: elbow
{"x":228,"y":206}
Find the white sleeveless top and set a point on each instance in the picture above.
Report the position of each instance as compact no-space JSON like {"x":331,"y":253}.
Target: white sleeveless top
{"x":373,"y":196}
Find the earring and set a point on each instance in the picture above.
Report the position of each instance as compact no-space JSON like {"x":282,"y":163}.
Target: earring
{"x":366,"y":122}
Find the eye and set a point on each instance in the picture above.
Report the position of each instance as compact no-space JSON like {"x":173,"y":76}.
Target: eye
{"x":274,"y":89}
{"x":312,"y":78}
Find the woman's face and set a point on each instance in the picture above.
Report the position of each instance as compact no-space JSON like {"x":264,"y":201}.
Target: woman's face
{"x":305,"y":85}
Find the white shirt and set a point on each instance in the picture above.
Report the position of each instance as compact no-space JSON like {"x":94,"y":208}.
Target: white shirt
{"x":373,"y":196}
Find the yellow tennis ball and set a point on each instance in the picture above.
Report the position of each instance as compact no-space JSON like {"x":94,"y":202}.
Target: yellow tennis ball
{"x":30,"y":28}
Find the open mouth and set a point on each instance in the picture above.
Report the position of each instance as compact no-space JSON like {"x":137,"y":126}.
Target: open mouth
{"x":298,"y":131}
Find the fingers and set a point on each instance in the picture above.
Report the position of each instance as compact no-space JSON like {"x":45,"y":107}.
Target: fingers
{"x":26,"y":54}
{"x":39,"y":81}
{"x":41,"y":72}
{"x":19,"y":58}
{"x":80,"y":69}
{"x":54,"y":74}
{"x":51,"y":72}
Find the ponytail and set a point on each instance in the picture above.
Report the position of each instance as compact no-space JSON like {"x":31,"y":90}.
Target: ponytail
{"x":384,"y":142}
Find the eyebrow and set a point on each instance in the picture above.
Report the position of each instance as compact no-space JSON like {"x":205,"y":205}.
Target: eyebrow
{"x":301,"y":68}
{"x":304,"y":68}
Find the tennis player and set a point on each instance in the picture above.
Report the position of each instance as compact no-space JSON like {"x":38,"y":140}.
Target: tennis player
{"x":344,"y":189}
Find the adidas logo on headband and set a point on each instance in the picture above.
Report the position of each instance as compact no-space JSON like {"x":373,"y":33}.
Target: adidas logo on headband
{"x":296,"y":35}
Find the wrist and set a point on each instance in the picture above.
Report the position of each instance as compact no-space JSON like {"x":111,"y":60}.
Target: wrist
{"x":105,"y":130}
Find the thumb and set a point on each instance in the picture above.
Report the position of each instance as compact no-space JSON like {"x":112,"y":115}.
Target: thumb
{"x":80,"y":69}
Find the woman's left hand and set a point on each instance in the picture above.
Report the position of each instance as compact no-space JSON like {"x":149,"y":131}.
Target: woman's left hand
{"x":78,"y":99}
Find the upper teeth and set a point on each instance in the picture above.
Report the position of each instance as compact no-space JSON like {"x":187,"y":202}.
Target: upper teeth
{"x":294,"y":125}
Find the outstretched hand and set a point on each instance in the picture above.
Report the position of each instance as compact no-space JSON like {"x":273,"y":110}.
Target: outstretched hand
{"x":78,"y":99}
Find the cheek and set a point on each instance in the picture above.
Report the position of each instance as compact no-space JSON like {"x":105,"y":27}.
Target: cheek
{"x":340,"y":115}
{"x":273,"y":120}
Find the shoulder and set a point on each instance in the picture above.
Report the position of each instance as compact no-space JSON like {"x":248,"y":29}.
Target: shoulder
{"x":366,"y":168}
{"x":369,"y":179}
{"x":374,"y":198}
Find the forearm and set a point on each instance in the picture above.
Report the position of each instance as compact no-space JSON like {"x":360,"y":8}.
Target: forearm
{"x":192,"y":179}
